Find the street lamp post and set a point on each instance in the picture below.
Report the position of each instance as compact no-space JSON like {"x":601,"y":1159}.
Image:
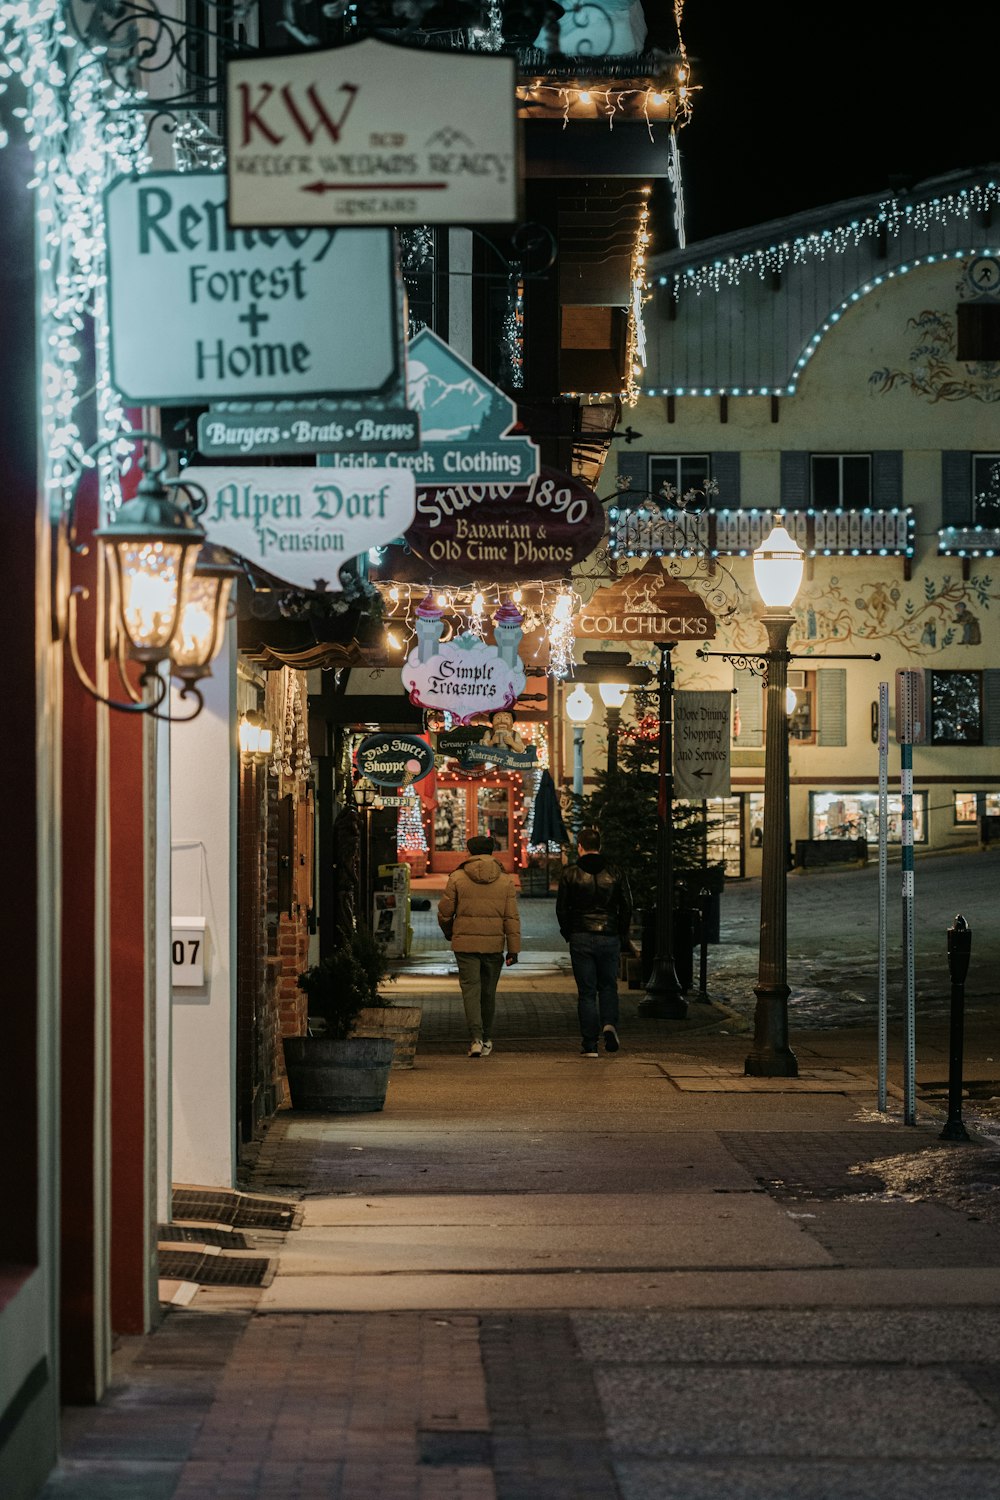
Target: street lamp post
{"x":613,"y":695}
{"x":579,"y":706}
{"x":777,"y":563}
{"x":664,"y":996}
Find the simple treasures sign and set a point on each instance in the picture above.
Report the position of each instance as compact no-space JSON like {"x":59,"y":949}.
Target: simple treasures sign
{"x":199,"y":311}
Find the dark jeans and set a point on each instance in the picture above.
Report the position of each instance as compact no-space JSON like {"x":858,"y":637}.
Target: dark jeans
{"x":594,"y":957}
{"x":478,"y":974}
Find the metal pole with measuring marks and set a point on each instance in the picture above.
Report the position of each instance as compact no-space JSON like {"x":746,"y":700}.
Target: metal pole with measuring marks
{"x":910,"y":731}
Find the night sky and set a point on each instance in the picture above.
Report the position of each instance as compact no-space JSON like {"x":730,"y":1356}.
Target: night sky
{"x":803,"y":105}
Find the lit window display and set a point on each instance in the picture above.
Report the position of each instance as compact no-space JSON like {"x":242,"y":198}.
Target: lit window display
{"x":854,"y":815}
{"x":969,"y":806}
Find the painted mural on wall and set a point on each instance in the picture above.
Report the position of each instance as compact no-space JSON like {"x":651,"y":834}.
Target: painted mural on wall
{"x":935,"y":372}
{"x":922,"y":617}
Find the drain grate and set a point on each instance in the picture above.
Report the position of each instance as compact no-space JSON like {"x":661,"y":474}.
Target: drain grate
{"x":239,"y":1209}
{"x":215,"y":1270}
{"x":193,"y":1234}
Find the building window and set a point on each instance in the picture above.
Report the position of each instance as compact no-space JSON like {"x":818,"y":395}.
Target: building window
{"x":681,"y":471}
{"x":840,"y":480}
{"x":978,"y":331}
{"x":854,"y":815}
{"x":724,"y":844}
{"x":986,"y":489}
{"x":970,"y":806}
{"x":955,"y":710}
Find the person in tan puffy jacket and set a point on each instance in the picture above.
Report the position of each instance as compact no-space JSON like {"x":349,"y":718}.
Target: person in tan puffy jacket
{"x":478,"y":915}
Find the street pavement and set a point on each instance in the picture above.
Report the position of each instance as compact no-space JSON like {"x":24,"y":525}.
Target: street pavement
{"x":639,"y":1277}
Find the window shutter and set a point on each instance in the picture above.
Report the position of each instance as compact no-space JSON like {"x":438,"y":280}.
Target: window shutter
{"x":991,"y":706}
{"x":750,"y":707}
{"x":956,"y":488}
{"x":634,"y":466}
{"x":887,"y":479}
{"x":794,"y":481}
{"x":831,"y":706}
{"x":725,"y":470}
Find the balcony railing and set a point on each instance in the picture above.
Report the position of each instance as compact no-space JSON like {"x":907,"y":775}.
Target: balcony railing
{"x":660,"y":532}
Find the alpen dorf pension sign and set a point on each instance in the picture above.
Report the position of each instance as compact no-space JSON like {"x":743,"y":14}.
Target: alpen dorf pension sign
{"x":647,"y":605}
{"x":371,"y":133}
{"x":200,"y":312}
{"x":302,"y":524}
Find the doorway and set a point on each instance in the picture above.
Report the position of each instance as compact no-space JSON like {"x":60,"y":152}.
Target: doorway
{"x":467,"y":807}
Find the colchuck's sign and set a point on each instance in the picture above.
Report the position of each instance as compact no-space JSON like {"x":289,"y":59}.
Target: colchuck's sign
{"x":299,"y":524}
{"x":647,"y":605}
{"x":498,"y":531}
{"x":372,"y":133}
{"x":200,"y":312}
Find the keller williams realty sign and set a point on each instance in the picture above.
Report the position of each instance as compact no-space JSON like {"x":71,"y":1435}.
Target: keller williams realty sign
{"x":371,"y":133}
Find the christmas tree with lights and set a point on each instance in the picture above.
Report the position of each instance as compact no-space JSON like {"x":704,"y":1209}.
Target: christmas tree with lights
{"x":410,"y":835}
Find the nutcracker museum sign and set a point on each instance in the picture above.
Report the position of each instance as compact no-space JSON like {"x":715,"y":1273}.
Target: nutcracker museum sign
{"x":647,"y":605}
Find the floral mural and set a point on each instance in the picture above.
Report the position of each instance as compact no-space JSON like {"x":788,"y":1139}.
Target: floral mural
{"x":935,"y":372}
{"x":922,"y":620}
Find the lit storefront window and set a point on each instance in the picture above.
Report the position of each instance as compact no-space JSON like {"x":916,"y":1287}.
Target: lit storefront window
{"x":854,"y":815}
{"x":970,"y":805}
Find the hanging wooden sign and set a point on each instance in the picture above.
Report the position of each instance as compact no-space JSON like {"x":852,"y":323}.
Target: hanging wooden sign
{"x":647,"y":605}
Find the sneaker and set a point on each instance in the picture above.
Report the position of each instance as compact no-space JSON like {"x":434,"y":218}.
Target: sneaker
{"x":476,"y":1050}
{"x":487,"y":1049}
{"x":611,"y":1042}
{"x":589,"y":1050}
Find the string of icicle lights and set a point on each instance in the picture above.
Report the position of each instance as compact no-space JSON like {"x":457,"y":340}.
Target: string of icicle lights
{"x":81,"y":134}
{"x":891,"y":218}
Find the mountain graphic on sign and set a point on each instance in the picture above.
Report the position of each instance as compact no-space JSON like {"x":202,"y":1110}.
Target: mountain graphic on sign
{"x":450,"y":412}
{"x":456,"y":403}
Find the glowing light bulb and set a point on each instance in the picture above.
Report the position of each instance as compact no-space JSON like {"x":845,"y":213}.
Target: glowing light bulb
{"x":585,"y":96}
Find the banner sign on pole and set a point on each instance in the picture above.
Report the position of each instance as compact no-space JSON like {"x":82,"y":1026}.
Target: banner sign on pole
{"x":199,"y":312}
{"x":303,"y":524}
{"x":702,"y":735}
{"x":372,"y":133}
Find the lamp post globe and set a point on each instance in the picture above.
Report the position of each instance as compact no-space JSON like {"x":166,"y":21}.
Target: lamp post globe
{"x":778,"y":568}
{"x":579,"y":706}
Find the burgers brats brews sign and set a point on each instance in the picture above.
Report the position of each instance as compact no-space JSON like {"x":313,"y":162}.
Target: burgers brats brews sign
{"x":200,"y":312}
{"x":371,"y":133}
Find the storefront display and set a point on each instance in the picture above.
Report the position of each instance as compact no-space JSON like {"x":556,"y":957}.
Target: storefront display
{"x":854,"y":815}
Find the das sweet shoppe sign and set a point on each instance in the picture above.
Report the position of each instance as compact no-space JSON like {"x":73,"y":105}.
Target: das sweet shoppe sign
{"x":465,"y":676}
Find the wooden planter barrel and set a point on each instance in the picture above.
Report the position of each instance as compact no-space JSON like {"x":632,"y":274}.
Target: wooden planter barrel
{"x":338,"y":1078}
{"x":399,"y":1022}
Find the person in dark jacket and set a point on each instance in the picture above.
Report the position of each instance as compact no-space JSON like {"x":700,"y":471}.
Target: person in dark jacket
{"x":594,"y":910}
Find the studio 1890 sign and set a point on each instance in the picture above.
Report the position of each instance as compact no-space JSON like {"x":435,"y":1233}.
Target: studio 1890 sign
{"x":200,"y":312}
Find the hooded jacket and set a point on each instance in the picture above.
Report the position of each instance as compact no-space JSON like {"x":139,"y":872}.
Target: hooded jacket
{"x":593,"y":896}
{"x":478,"y":911}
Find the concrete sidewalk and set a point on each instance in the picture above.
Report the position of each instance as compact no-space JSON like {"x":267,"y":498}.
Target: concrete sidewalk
{"x":640,"y":1277}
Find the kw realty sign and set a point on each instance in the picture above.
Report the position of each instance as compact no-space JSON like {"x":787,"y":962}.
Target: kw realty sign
{"x":199,"y":311}
{"x":701,"y":745}
{"x":372,"y":133}
{"x":303,"y":524}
